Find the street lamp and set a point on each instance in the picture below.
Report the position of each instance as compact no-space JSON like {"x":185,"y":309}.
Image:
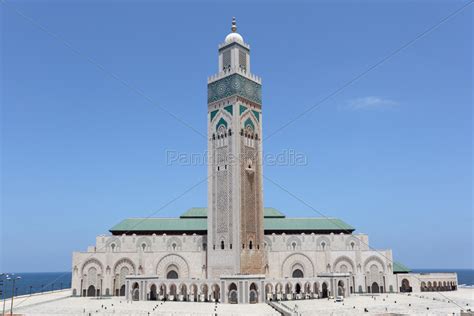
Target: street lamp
{"x":3,"y":289}
{"x":12,"y":278}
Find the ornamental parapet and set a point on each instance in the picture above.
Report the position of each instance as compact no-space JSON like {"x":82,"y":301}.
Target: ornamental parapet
{"x":234,"y":70}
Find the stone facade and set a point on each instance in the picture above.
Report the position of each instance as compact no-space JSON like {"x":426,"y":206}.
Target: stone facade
{"x":299,"y":265}
{"x":242,"y":255}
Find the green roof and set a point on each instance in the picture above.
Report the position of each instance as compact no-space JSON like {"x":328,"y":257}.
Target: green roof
{"x":313,"y":223}
{"x":195,"y":212}
{"x":400,"y":268}
{"x":161,"y":224}
{"x":201,"y":212}
{"x":270,"y":212}
{"x":194,"y":220}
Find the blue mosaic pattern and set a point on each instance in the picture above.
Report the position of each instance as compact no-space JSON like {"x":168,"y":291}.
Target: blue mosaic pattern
{"x":234,"y":85}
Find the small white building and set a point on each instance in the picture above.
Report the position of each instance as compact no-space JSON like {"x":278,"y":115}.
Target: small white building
{"x":236,"y":250}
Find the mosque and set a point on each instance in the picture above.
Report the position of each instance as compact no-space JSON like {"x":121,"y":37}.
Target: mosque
{"x":236,"y":250}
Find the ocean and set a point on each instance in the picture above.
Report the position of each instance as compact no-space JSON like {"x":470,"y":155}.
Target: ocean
{"x":35,"y":282}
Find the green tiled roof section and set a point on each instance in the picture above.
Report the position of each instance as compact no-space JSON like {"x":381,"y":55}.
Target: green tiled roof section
{"x":200,"y":212}
{"x":243,"y":108}
{"x":272,"y":212}
{"x":400,"y":267}
{"x":196,"y":224}
{"x":313,"y":223}
{"x":161,"y":224}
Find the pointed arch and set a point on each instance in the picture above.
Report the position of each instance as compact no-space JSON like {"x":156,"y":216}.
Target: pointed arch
{"x":376,"y":259}
{"x":297,"y":259}
{"x":344,"y":260}
{"x":172,"y":260}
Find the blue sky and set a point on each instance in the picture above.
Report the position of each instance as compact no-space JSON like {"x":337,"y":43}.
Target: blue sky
{"x":391,"y":154}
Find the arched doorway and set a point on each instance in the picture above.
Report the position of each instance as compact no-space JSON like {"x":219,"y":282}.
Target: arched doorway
{"x":172,"y":294}
{"x":216,"y":292}
{"x":288,"y":291}
{"x":253,"y":294}
{"x":297,"y":273}
{"x":183,"y":290}
{"x":135,"y":292}
{"x":269,"y":291}
{"x":122,"y":290}
{"x":375,"y":288}
{"x":91,"y":291}
{"x":162,"y":291}
{"x":205,"y":292}
{"x":194,"y":292}
{"x":233,"y":295}
{"x":324,"y":293}
{"x":316,"y":289}
{"x":297,"y":288}
{"x":405,"y":286}
{"x":340,"y":289}
{"x":153,"y":295}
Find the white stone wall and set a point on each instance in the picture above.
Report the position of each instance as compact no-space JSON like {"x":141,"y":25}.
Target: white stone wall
{"x":334,"y":253}
{"x":102,"y":264}
{"x":105,"y":265}
{"x":426,"y":282}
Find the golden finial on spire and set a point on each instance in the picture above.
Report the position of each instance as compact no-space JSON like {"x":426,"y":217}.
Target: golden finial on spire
{"x":234,"y":25}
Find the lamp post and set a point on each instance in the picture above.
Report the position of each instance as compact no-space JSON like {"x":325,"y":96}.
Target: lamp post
{"x":3,"y":289}
{"x":13,"y":278}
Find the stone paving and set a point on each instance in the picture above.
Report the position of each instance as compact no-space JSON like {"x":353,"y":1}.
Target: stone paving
{"x":446,"y":303}
{"x":432,"y":303}
{"x":86,"y":306}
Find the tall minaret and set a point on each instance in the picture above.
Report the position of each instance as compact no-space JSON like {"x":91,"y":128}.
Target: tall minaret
{"x":235,"y":197}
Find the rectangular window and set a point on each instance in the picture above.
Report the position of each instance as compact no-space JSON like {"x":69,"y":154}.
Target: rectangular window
{"x":242,"y":59}
{"x":226,"y":60}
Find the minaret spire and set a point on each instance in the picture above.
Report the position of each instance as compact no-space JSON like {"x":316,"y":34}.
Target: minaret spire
{"x":234,"y":25}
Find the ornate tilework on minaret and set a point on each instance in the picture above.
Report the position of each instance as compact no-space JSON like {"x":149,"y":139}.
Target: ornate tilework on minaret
{"x":235,"y":220}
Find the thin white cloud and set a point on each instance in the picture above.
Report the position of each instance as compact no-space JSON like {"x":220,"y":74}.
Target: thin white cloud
{"x":369,"y":103}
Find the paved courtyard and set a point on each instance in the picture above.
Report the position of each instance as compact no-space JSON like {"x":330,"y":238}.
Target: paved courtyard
{"x":60,"y":303}
{"x":424,"y":303}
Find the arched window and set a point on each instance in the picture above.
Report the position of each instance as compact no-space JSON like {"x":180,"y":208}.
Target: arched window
{"x":143,"y":246}
{"x":323,"y":245}
{"x":222,"y":244}
{"x":293,"y":245}
{"x":352,"y":245}
{"x":297,"y":273}
{"x":172,"y":274}
{"x":173,"y":246}
{"x":250,"y":245}
{"x":112,"y":246}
